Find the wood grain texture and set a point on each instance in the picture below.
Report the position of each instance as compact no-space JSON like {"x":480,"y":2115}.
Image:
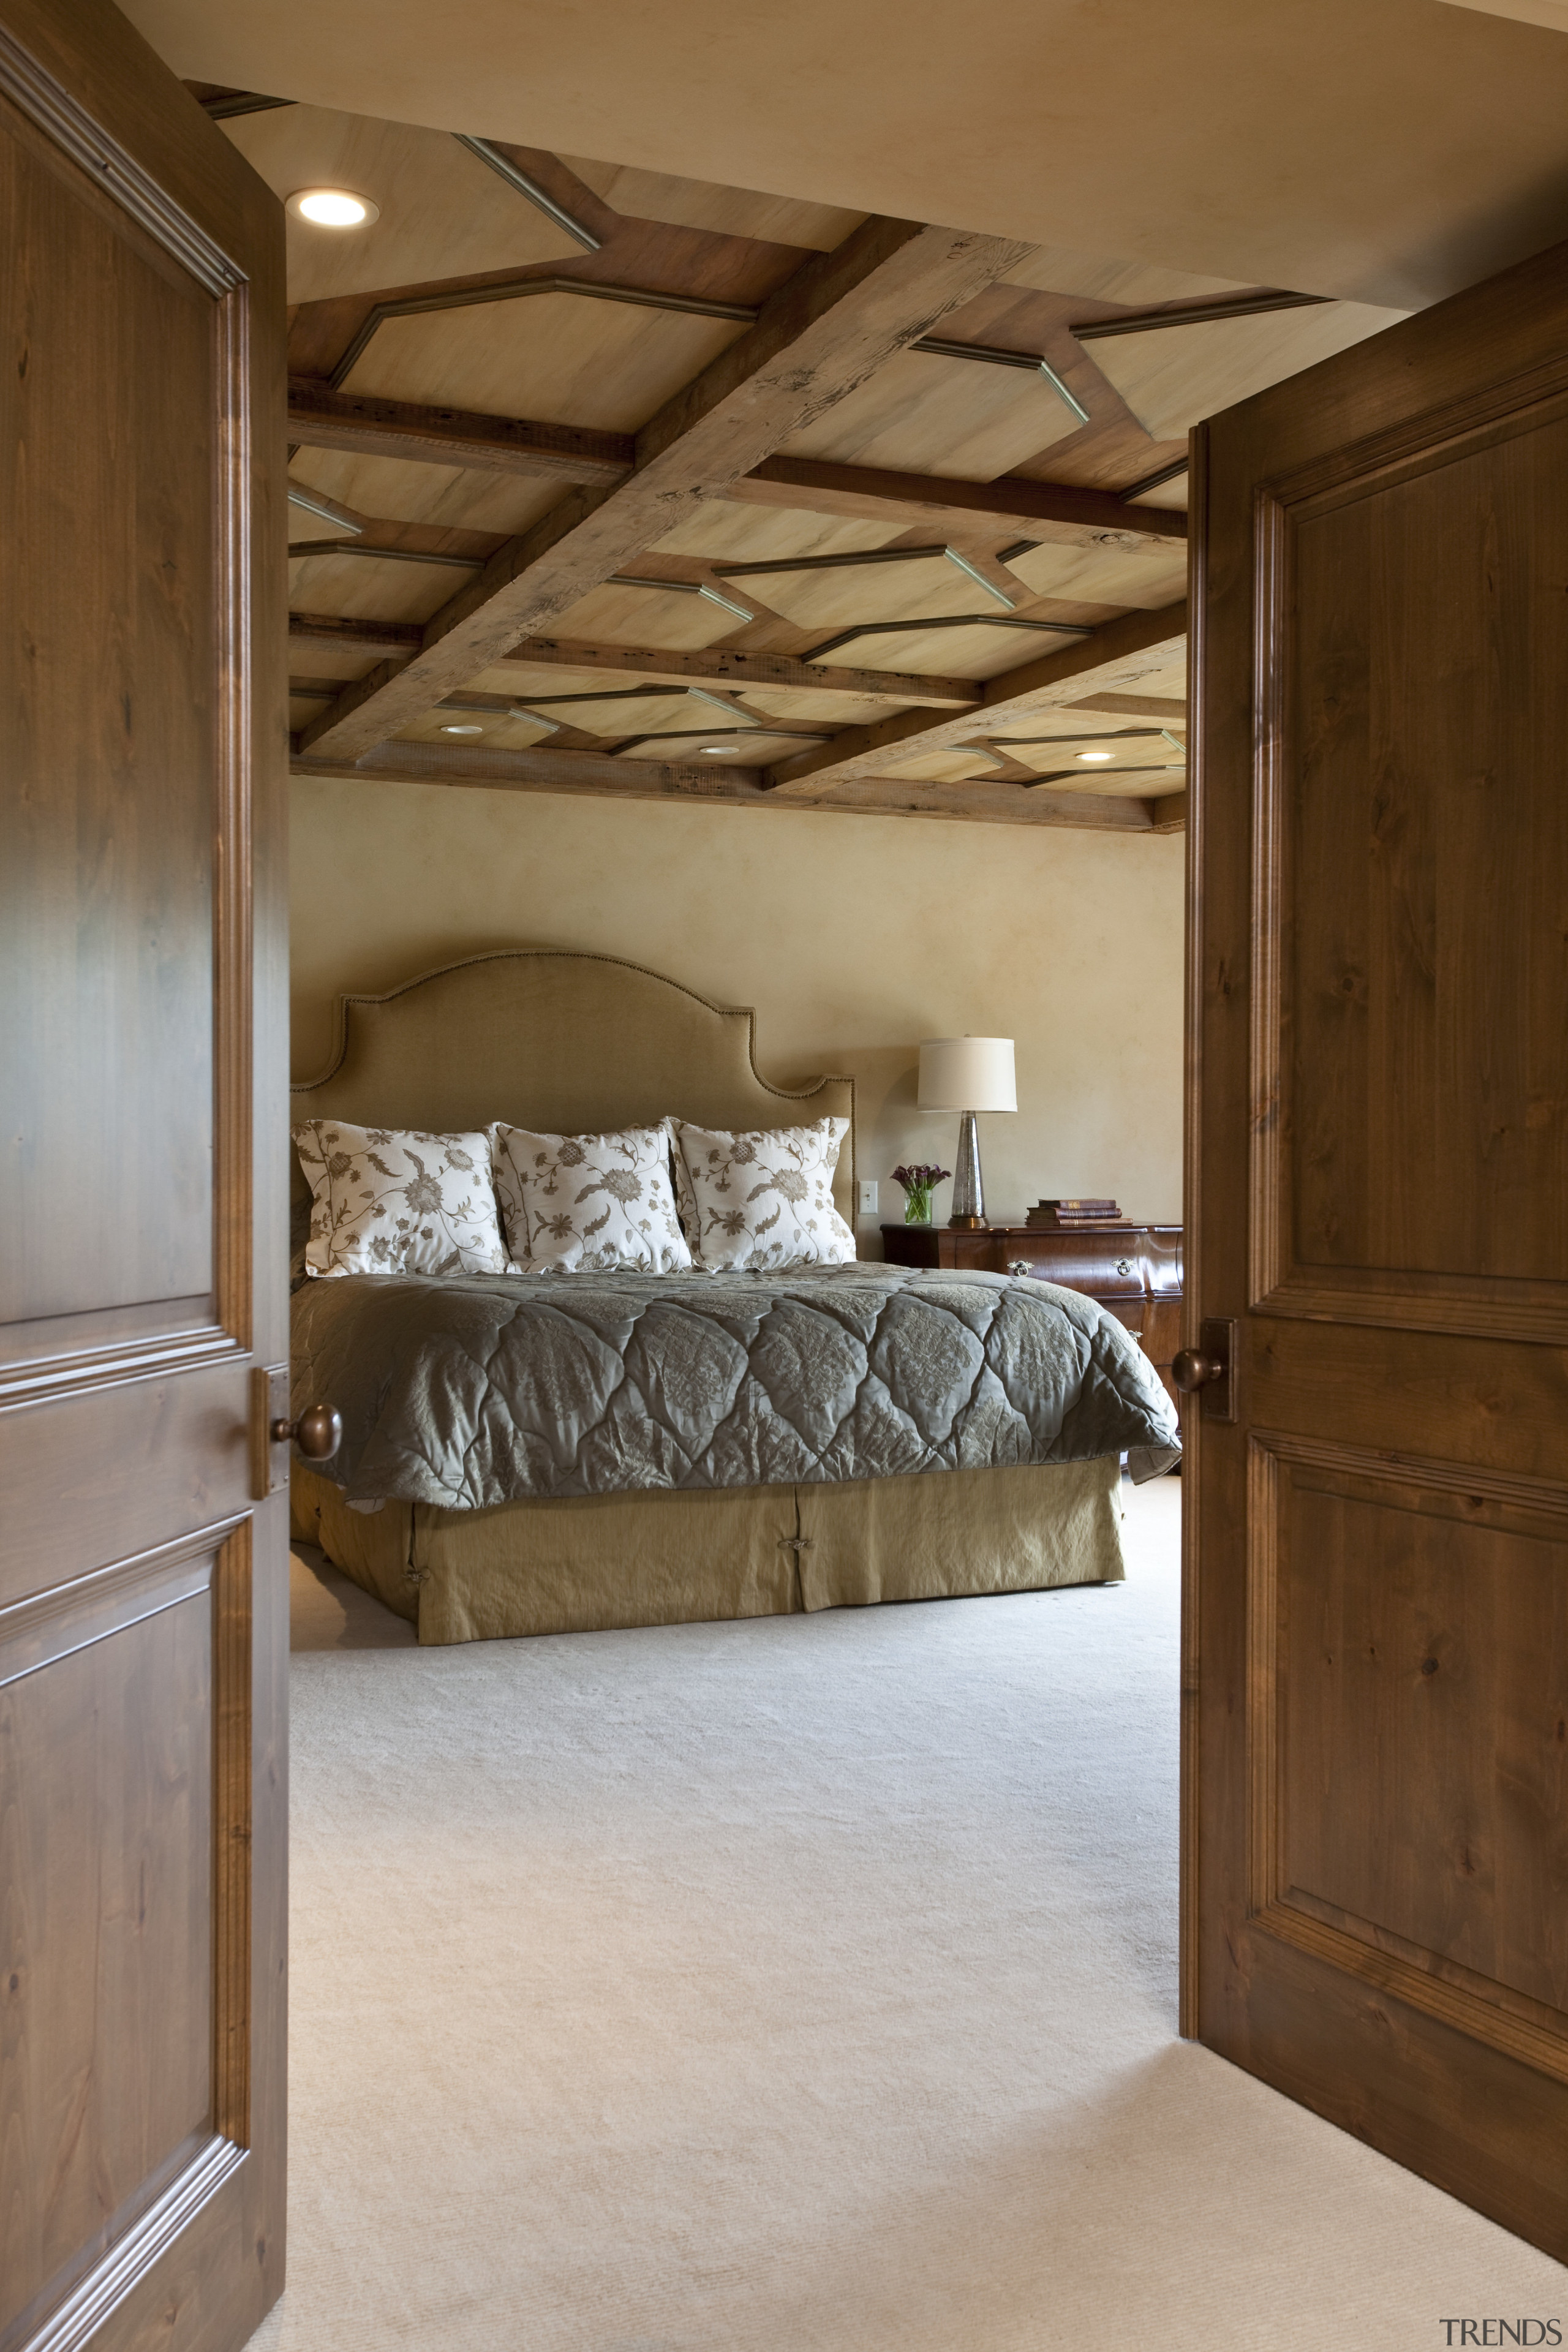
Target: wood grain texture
{"x":1174,"y":375}
{"x":1375,"y":1786}
{"x":321,"y":419}
{"x":922,"y":414}
{"x":1120,"y":652}
{"x":1058,"y":510}
{"x":106,"y":1966}
{"x":88,"y":1060}
{"x":834,"y":322}
{"x":143,"y":1998}
{"x":1420,"y":1780}
{"x":718,"y":781}
{"x":1422,"y":1024}
{"x":726,"y":667}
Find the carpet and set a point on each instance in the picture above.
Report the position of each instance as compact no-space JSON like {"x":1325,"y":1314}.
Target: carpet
{"x":802,"y":1984}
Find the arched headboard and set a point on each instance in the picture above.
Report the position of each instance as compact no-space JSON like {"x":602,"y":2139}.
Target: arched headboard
{"x":565,"y":1043}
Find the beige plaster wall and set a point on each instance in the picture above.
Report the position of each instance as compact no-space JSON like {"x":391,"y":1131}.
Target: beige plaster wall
{"x":854,"y":937}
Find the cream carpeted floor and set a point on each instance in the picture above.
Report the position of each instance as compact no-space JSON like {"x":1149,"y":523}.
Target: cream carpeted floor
{"x":806,"y":1985}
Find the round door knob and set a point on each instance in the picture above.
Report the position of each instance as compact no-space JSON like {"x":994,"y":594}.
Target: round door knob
{"x":1193,"y":1369}
{"x":318,"y":1433}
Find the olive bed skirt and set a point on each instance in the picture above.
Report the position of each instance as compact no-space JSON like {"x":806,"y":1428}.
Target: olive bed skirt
{"x":592,"y":1562}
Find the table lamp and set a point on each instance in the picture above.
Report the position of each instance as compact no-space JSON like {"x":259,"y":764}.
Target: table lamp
{"x":967,"y":1074}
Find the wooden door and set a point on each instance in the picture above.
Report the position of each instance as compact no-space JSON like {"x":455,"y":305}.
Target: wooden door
{"x":1376,"y":1677}
{"x":144,"y":1625}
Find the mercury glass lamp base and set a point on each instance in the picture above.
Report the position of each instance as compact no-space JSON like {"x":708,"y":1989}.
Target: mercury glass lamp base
{"x":968,"y":1192}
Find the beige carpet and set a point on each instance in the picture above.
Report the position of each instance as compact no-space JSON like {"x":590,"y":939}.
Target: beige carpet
{"x":806,"y":1985}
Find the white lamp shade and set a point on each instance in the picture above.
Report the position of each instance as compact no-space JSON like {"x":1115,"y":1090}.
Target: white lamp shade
{"x":968,"y":1074}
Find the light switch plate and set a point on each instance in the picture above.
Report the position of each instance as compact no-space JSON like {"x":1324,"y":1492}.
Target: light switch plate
{"x":869,"y":1197}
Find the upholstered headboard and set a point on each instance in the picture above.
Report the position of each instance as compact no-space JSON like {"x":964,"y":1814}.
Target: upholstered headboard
{"x":571,"y":1044}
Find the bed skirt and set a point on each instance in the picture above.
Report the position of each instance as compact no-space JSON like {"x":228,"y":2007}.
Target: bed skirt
{"x":592,"y":1562}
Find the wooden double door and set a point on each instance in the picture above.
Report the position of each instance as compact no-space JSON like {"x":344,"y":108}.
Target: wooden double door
{"x":1376,"y":1667}
{"x":1376,"y":1672}
{"x":143,"y":1624}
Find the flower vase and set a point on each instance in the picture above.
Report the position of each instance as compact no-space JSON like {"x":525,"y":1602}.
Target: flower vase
{"x":917,"y":1206}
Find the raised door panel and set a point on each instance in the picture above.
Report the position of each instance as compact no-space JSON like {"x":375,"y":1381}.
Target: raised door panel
{"x":1408,"y":1733}
{"x":1413,"y":1021}
{"x":123,"y":1057}
{"x":107,"y":1939}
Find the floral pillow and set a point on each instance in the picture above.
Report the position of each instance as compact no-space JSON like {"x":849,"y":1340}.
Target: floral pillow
{"x":396,"y":1200}
{"x":763,"y":1200}
{"x":588,"y":1203}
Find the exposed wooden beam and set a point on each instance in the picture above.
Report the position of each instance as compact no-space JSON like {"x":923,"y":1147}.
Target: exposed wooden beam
{"x":1195,"y":314}
{"x":320,"y":418}
{"x":1163,"y":706}
{"x":1057,"y":511}
{"x":732,"y":672}
{"x":390,"y":639}
{"x":1111,"y":659}
{"x":598,"y":775}
{"x":830,"y":326}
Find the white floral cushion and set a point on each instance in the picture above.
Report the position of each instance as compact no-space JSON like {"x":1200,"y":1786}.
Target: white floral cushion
{"x":396,"y":1200}
{"x":592,"y":1203}
{"x":762,"y":1200}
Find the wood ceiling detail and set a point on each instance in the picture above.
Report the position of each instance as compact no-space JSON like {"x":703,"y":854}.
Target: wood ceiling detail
{"x":320,"y":418}
{"x":792,"y":574}
{"x":825,"y":331}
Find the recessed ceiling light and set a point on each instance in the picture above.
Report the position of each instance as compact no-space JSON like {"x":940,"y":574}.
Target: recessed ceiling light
{"x":334,"y":207}
{"x":1097,"y":755}
{"x":462,"y":731}
{"x":720,"y":751}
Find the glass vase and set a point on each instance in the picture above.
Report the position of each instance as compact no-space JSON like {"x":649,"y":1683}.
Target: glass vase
{"x":917,"y":1206}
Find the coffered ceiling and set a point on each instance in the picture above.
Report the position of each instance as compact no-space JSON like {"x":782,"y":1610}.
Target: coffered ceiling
{"x":734,"y":498}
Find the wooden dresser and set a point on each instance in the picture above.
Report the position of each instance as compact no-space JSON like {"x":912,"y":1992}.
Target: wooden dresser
{"x":1133,"y":1270}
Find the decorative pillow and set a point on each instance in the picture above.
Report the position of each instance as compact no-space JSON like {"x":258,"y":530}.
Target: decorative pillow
{"x":395,"y":1201}
{"x":588,"y":1203}
{"x":763,"y":1200}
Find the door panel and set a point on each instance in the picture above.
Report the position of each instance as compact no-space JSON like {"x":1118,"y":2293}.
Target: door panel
{"x":1377,"y":1640}
{"x":142,"y":1561}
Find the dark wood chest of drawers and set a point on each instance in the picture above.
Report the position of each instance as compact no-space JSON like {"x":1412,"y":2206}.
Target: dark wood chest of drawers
{"x":1133,"y":1270}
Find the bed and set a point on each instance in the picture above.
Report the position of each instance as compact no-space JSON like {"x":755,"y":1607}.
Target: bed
{"x":544,"y":1453}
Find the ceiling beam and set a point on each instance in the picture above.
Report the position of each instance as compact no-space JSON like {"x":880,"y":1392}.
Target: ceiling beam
{"x":1169,"y":813}
{"x":599,"y":775}
{"x":1112,"y":657}
{"x":1057,"y":511}
{"x":392,"y":640}
{"x":1164,"y":708}
{"x":320,"y":418}
{"x":734,"y":672}
{"x":830,"y":326}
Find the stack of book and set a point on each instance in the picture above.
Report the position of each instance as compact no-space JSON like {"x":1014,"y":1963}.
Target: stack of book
{"x":1062,"y":1216}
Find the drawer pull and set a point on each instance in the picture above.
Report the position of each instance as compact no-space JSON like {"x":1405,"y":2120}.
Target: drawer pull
{"x":1123,"y":1266}
{"x":1020,"y":1265}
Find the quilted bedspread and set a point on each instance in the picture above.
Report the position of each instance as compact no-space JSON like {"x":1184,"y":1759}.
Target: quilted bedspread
{"x":492,"y":1388}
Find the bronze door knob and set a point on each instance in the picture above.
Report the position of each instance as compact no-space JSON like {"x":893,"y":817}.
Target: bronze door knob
{"x":1194,"y":1367}
{"x":318,"y":1433}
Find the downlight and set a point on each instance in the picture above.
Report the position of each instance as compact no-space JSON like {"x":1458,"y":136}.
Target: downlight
{"x":333,"y":207}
